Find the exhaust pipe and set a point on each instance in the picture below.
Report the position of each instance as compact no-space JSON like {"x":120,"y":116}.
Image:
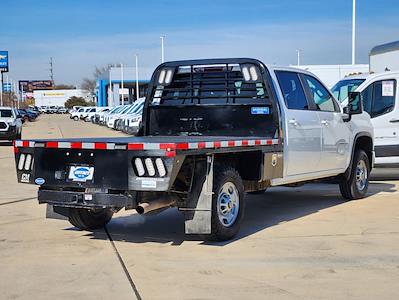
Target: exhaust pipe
{"x":146,"y":207}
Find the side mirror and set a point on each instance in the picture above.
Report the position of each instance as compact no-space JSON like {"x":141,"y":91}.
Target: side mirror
{"x":355,"y":105}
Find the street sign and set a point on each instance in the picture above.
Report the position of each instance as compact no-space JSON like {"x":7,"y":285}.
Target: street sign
{"x":3,"y":61}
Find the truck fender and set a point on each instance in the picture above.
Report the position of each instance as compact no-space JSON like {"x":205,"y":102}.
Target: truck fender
{"x":368,"y":149}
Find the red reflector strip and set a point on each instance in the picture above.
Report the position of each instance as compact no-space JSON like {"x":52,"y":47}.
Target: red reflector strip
{"x":182,"y":146}
{"x":52,"y":145}
{"x":167,"y":146}
{"x":135,"y":146}
{"x":100,"y":146}
{"x":76,"y":145}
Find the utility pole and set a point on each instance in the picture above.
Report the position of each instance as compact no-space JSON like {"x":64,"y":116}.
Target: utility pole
{"x":162,"y":49}
{"x":51,"y":70}
{"x":137,"y":77}
{"x":354,"y":33}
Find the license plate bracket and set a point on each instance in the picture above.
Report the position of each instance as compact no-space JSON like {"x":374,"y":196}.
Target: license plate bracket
{"x":80,"y":173}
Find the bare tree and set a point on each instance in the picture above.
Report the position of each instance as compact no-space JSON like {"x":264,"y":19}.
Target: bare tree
{"x":89,"y":84}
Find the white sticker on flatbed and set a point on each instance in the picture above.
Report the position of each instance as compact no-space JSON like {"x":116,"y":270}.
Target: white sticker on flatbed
{"x":388,"y":88}
{"x":149,"y":184}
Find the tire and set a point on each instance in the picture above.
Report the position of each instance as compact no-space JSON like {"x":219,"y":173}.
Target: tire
{"x":227,"y":186}
{"x":76,"y":118}
{"x":357,"y":185}
{"x":87,"y":219}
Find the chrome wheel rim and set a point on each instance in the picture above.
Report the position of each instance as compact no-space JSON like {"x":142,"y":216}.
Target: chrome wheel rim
{"x":361,"y":175}
{"x":228,"y":204}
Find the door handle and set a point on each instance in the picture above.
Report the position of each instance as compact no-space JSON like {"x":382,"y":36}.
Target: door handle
{"x":394,"y":121}
{"x":293,"y":122}
{"x":324,"y":122}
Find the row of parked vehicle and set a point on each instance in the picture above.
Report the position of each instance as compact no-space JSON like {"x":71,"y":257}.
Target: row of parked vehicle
{"x":126,"y":118}
{"x":53,"y":109}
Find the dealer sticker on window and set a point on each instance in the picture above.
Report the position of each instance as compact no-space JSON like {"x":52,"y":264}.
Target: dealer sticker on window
{"x":260,"y":110}
{"x":388,"y":88}
{"x":81,"y":173}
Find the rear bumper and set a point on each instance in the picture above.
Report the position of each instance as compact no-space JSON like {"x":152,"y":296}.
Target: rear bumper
{"x":84,"y":200}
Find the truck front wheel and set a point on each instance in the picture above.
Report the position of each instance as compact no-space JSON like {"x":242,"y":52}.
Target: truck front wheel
{"x":356,"y":186}
{"x":87,"y":219}
{"x":228,"y":203}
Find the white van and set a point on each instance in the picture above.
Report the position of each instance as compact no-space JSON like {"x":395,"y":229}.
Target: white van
{"x":380,"y":99}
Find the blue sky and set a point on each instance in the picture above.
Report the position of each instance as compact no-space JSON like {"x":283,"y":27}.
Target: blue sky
{"x":82,"y":34}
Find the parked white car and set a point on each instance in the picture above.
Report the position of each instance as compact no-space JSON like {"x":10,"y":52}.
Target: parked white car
{"x":88,"y":115}
{"x":135,"y":110}
{"x":104,"y":118}
{"x":79,"y":113}
{"x":111,"y":120}
{"x":380,"y":100}
{"x":10,"y":124}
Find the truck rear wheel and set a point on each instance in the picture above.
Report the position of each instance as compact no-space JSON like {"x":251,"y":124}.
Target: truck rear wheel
{"x":228,"y":203}
{"x":87,"y":219}
{"x":357,"y":185}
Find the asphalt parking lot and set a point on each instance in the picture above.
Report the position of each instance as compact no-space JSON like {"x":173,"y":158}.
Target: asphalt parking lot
{"x":295,"y":243}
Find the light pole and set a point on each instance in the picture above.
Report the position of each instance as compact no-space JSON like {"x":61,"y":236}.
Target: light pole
{"x":137,"y":77}
{"x":1,"y":88}
{"x":162,"y":49}
{"x":122,"y":86}
{"x":111,"y":95}
{"x":354,"y":33}
{"x":298,"y":53}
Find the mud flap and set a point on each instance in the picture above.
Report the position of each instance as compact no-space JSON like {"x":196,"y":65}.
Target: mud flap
{"x":59,"y":213}
{"x":198,"y":215}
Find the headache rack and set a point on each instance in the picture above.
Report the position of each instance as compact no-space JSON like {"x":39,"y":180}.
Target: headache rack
{"x":210,"y":84}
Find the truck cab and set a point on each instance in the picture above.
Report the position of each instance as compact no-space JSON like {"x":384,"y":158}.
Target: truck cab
{"x":379,"y":93}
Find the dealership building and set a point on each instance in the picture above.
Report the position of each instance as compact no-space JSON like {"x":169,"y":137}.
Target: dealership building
{"x":58,"y":97}
{"x":118,"y":86}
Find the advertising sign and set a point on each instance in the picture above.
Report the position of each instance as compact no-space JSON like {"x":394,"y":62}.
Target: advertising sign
{"x":33,"y":85}
{"x":3,"y":61}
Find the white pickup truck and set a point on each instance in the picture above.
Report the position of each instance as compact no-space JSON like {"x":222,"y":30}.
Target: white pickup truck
{"x":10,"y":124}
{"x":211,"y":131}
{"x":380,"y":98}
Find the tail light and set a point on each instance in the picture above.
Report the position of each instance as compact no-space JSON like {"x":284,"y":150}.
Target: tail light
{"x":151,"y":167}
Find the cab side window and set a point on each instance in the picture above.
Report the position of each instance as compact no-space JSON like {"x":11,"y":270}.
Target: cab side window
{"x":321,"y":96}
{"x":379,"y":97}
{"x":292,"y":90}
